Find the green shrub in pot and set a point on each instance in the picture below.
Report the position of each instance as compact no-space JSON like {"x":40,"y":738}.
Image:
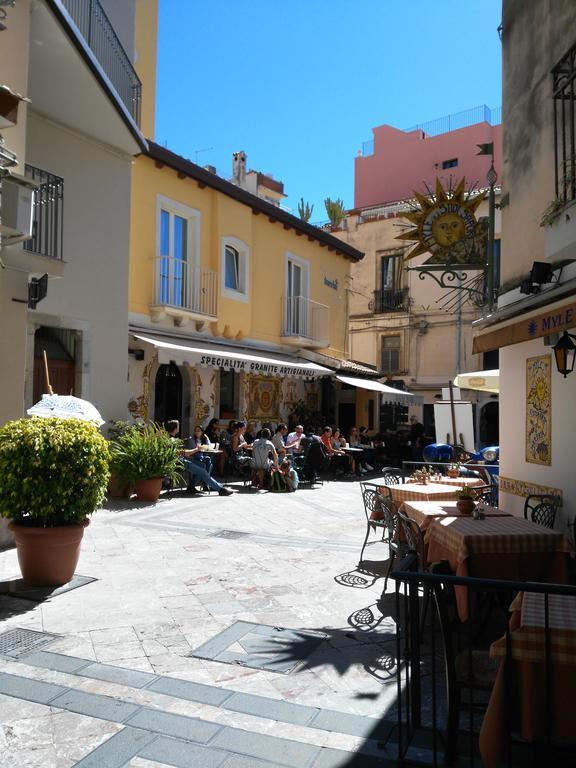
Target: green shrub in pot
{"x":144,"y":453}
{"x":53,"y":472}
{"x":53,"y":476}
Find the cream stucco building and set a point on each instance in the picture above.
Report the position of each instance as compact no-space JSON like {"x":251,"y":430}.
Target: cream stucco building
{"x":538,"y":295}
{"x":75,"y":137}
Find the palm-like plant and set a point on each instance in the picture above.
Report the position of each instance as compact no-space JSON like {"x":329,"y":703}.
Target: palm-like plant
{"x":305,"y":210}
{"x":335,"y":210}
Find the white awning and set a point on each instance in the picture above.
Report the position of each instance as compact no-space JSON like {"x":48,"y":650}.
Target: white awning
{"x":207,"y":356}
{"x":389,"y":394}
{"x":483,"y":381}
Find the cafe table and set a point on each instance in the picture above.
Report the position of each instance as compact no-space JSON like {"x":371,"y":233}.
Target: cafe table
{"x":458,"y":482}
{"x":526,"y":683}
{"x":418,"y":491}
{"x":425,"y":512}
{"x":498,"y":547}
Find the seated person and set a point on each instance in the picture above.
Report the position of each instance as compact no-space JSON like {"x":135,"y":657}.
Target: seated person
{"x":194,"y":469}
{"x":339,"y":443}
{"x":292,"y":479}
{"x":337,"y":455}
{"x":251,"y":432}
{"x":212,"y":431}
{"x":278,"y":440}
{"x":262,"y":448}
{"x":199,"y":439}
{"x":359,"y":439}
{"x":293,"y":444}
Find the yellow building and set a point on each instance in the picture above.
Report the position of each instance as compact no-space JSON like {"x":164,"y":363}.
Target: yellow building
{"x":237,"y":308}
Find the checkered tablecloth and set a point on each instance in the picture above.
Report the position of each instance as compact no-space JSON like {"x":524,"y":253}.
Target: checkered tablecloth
{"x":464,"y":536}
{"x":414,"y":492}
{"x":425,"y":512}
{"x":458,"y":482}
{"x":528,"y":640}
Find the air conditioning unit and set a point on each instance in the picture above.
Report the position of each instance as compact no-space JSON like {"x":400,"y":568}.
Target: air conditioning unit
{"x":16,"y":206}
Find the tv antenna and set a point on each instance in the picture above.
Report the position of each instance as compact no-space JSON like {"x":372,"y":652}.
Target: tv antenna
{"x":198,"y":151}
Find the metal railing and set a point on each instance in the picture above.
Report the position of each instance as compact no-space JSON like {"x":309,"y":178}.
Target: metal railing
{"x":480,"y":114}
{"x":97,"y":30}
{"x":305,"y":318}
{"x":180,"y":286}
{"x":48,"y":213}
{"x":447,"y":670}
{"x":390,"y":300}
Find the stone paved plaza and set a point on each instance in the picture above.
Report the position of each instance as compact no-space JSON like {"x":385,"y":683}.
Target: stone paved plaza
{"x":103,"y":676}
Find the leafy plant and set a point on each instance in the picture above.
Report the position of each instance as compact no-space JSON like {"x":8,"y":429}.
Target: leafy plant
{"x":52,"y":471}
{"x":118,"y":428}
{"x":335,"y":210}
{"x":465,"y":492}
{"x":304,"y":415}
{"x":143,"y":453}
{"x":305,"y":210}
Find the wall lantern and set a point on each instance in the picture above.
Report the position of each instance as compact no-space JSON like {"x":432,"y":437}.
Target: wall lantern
{"x":565,"y":353}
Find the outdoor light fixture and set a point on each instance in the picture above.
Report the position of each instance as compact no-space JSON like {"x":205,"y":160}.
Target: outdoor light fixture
{"x":565,"y":353}
{"x":540,"y":273}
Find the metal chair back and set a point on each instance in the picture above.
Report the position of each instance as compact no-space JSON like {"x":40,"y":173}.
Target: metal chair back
{"x":391,"y":476}
{"x":412,"y":538}
{"x":541,"y":509}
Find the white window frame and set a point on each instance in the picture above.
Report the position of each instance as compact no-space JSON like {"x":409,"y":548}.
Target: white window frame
{"x":305,"y":264}
{"x":192,"y":216}
{"x":243,"y":293}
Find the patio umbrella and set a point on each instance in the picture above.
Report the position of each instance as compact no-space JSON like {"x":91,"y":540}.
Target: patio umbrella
{"x":66,"y":407}
{"x":483,"y":381}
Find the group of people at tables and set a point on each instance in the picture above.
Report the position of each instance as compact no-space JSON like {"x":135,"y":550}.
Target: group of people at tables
{"x":267,"y":450}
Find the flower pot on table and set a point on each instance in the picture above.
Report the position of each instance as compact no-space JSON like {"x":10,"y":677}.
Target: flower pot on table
{"x":465,"y":506}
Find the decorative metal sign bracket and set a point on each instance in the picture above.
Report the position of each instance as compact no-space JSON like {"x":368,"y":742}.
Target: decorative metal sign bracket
{"x":460,"y":286}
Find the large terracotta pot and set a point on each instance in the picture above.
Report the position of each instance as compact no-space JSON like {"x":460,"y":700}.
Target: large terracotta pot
{"x":148,"y":490}
{"x":48,"y":556}
{"x":465,"y":506}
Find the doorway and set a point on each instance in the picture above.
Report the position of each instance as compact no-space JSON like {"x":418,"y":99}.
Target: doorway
{"x":168,"y":394}
{"x":60,"y":347}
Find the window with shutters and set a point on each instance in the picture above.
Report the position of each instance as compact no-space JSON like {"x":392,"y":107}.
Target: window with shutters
{"x":390,"y":360}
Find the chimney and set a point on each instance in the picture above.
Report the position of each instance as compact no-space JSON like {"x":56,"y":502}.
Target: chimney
{"x":239,"y":168}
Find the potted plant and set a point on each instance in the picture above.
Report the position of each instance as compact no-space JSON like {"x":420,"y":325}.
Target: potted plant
{"x":118,"y":489}
{"x":453,"y":470}
{"x":466,"y":500}
{"x":53,"y":476}
{"x":143,"y":457}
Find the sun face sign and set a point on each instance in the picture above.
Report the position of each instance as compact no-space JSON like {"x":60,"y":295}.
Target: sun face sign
{"x":444,"y":223}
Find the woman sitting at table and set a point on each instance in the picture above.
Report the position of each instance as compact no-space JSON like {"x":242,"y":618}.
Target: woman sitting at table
{"x":239,"y":447}
{"x":199,"y":440}
{"x":338,"y":458}
{"x":356,"y":441}
{"x":339,"y":444}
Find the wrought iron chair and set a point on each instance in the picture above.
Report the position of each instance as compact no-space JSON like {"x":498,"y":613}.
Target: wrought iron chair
{"x":391,"y":475}
{"x":411,"y":539}
{"x":484,"y":493}
{"x":380,"y":513}
{"x":541,"y":509}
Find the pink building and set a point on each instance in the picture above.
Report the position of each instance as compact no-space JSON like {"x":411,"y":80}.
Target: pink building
{"x":403,"y":160}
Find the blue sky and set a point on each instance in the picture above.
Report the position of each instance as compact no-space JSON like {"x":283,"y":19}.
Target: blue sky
{"x":299,"y":85}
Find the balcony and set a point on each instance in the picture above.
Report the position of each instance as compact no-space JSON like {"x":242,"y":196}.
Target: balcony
{"x":97,"y":30}
{"x":389,"y":300}
{"x":305,"y":322}
{"x":183,"y":292}
{"x":48,"y":214}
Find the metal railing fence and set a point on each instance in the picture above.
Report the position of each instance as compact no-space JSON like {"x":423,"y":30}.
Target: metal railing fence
{"x":48,"y":213}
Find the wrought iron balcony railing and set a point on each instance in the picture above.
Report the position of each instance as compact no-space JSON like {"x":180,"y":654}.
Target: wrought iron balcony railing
{"x":181,"y":286}
{"x":97,"y":30}
{"x":48,"y":215}
{"x":305,"y":318}
{"x":390,"y":300}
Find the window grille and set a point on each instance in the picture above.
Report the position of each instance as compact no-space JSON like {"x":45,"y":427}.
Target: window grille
{"x":564,"y":84}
